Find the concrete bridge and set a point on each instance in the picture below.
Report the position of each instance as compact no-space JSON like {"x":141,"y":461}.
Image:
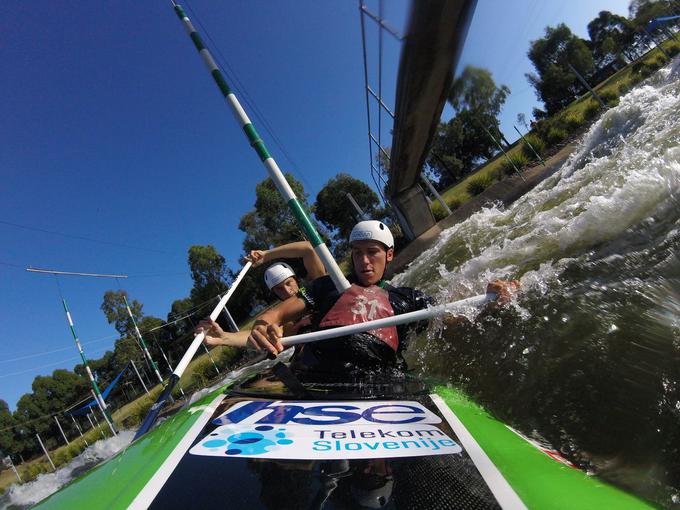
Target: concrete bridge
{"x":434,"y":39}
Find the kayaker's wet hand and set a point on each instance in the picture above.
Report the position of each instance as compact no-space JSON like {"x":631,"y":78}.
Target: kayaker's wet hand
{"x":266,"y":337}
{"x":256,"y":257}
{"x":505,"y":290}
{"x":213,"y":332}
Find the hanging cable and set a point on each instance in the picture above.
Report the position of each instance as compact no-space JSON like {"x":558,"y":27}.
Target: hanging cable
{"x":380,"y":57}
{"x":240,"y":88}
{"x":49,"y":364}
{"x":368,"y":105}
{"x":82,"y":238}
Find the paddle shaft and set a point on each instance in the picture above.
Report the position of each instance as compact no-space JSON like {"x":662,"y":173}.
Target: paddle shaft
{"x":395,"y":320}
{"x":184,"y":362}
{"x":186,"y":359}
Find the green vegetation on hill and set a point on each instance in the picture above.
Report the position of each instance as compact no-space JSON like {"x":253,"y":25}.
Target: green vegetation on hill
{"x":548,"y":133}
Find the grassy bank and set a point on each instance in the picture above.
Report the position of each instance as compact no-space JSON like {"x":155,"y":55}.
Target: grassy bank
{"x":550,"y":134}
{"x":198,"y":375}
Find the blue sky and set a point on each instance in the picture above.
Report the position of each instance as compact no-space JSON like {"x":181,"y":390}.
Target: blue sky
{"x":113,"y":131}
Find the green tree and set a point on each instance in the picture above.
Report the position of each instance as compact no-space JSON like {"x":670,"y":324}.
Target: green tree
{"x":556,"y":85}
{"x":208,"y":271}
{"x":50,"y":395}
{"x":334,"y":210}
{"x":610,"y":37}
{"x":155,"y":336}
{"x":462,"y":142}
{"x":102,"y":369}
{"x":179,"y":327}
{"x":8,"y":442}
{"x":475,"y":90}
{"x":116,"y":313}
{"x":643,"y":11}
{"x":271,"y":223}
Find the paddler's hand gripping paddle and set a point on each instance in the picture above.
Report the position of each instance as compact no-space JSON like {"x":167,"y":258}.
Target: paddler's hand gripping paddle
{"x":184,"y":362}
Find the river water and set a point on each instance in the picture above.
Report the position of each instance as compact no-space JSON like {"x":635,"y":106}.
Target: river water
{"x":588,"y":357}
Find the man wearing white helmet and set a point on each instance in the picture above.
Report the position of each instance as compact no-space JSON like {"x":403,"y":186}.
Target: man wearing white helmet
{"x":280,"y":279}
{"x":368,"y":298}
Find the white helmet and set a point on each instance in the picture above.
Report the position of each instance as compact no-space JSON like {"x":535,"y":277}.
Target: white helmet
{"x":372,"y":230}
{"x":277,"y":273}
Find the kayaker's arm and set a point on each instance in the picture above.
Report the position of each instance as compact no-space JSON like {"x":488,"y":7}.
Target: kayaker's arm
{"x":505,"y":290}
{"x":301,"y":249}
{"x":267,"y":333}
{"x":215,"y":335}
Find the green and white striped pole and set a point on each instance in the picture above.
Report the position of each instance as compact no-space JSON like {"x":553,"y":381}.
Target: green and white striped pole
{"x":141,"y":341}
{"x":95,"y":387}
{"x":256,"y":142}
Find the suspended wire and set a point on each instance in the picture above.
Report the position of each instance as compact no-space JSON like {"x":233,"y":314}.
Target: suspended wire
{"x":43,"y":353}
{"x":75,"y":358}
{"x":368,"y":105}
{"x":180,"y":319}
{"x":153,"y":275}
{"x":12,"y":265}
{"x":380,"y":57}
{"x":83,"y":238}
{"x":134,"y":275}
{"x":45,"y":416}
{"x":243,"y":93}
{"x":377,"y":169}
{"x":194,"y":310}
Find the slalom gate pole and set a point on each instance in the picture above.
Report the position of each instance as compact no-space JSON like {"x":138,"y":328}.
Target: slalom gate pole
{"x":95,"y":387}
{"x":141,"y":341}
{"x":105,"y":414}
{"x":46,"y":452}
{"x":79,"y":430}
{"x":273,"y":169}
{"x":61,"y":430}
{"x":188,"y":355}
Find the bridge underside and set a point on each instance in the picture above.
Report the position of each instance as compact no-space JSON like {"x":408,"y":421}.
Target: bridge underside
{"x":434,"y":39}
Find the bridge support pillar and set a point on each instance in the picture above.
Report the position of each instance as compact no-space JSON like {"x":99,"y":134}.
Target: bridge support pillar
{"x":413,"y":211}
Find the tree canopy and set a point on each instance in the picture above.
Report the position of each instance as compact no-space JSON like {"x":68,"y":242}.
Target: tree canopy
{"x":208,"y":271}
{"x":116,"y":312}
{"x":271,"y":223}
{"x":610,"y":35}
{"x":334,"y":210}
{"x":462,"y":142}
{"x":556,"y":85}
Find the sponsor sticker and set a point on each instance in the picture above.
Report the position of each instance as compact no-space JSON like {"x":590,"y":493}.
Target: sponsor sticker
{"x":326,"y":430}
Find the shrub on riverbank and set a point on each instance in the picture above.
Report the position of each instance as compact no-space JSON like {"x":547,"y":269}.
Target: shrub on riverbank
{"x":573,"y":120}
{"x":591,"y":110}
{"x":518,"y":159}
{"x":555,"y":135}
{"x":138,"y":412}
{"x":536,"y":142}
{"x":610,"y":97}
{"x":479,"y":184}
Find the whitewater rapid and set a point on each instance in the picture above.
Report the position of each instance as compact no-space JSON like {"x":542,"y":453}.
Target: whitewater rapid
{"x":28,"y":494}
{"x":588,"y":357}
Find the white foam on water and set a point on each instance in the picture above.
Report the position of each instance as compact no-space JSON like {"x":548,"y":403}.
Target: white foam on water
{"x":624,"y":171}
{"x":48,"y":483}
